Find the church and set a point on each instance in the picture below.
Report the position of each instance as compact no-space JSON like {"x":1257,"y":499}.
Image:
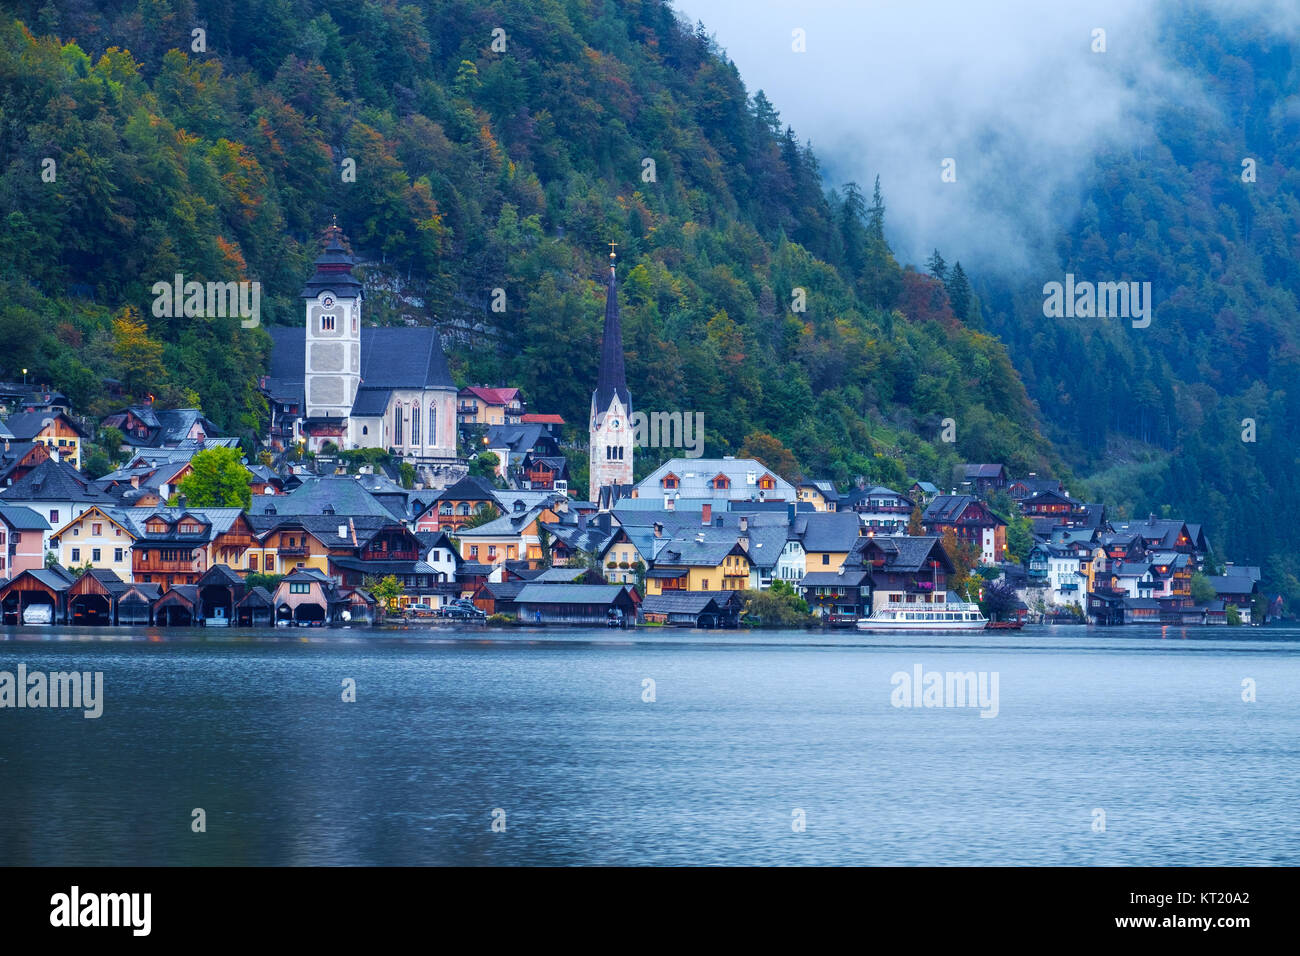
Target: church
{"x":335,"y":380}
{"x":610,"y":431}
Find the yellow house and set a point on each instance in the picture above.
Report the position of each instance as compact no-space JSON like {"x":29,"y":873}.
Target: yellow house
{"x":299,"y":543}
{"x":820,"y":494}
{"x":98,"y":536}
{"x":508,"y":538}
{"x":55,"y":430}
{"x":827,"y":538}
{"x":699,"y":564}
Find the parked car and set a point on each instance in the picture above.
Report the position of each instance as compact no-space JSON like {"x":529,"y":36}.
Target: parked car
{"x":419,"y":610}
{"x":457,"y":611}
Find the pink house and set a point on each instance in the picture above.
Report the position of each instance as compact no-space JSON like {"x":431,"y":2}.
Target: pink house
{"x":22,"y":540}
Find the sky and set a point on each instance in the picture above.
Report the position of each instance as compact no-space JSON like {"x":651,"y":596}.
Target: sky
{"x":1012,"y":91}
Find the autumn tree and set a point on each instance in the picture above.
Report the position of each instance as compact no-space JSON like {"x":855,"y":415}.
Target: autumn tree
{"x":139,"y":354}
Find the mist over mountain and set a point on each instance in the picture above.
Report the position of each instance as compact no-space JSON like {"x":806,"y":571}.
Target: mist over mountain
{"x":1122,"y":165}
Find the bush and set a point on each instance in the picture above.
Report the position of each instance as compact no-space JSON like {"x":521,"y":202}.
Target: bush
{"x":502,"y":620}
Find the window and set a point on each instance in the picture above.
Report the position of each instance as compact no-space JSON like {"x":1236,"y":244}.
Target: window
{"x":433,"y":424}
{"x":415,"y":424}
{"x":76,"y":555}
{"x":252,"y":562}
{"x":721,"y":483}
{"x":766,"y":483}
{"x":397,"y":425}
{"x":76,"y":532}
{"x":473,"y":551}
{"x":670,"y":481}
{"x":299,"y":587}
{"x":705,"y":582}
{"x":94,"y":555}
{"x":327,"y":323}
{"x":96,"y":529}
{"x":54,"y":516}
{"x":826,"y":559}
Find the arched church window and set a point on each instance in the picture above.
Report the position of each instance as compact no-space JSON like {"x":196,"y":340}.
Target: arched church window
{"x":397,"y":425}
{"x":433,"y":424}
{"x":327,"y":323}
{"x":415,"y":424}
{"x":365,"y":429}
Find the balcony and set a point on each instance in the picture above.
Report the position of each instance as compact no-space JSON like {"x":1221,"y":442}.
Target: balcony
{"x":386,"y":555}
{"x":295,"y":551}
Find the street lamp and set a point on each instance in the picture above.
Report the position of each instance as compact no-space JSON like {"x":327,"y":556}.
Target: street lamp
{"x":24,"y":376}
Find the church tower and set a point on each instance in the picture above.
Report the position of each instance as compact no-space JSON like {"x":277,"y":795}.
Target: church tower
{"x":332,"y":363}
{"x":611,"y":404}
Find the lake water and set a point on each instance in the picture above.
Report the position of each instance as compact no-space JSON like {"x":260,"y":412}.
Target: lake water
{"x":758,"y":748}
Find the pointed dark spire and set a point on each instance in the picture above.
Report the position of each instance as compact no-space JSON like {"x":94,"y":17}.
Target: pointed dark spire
{"x":612,"y":380}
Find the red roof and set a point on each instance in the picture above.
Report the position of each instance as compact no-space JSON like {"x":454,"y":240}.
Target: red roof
{"x":540,"y":419}
{"x":493,"y":396}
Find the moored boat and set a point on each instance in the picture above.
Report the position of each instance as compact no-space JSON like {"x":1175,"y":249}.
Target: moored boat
{"x":937,"y":616}
{"x":1004,"y":625}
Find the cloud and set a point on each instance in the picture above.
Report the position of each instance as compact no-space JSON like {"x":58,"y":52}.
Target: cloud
{"x":1011,"y":90}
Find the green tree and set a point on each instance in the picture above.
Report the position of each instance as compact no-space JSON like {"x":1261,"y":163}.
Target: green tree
{"x":1202,"y":590}
{"x":218,"y":480}
{"x":386,"y":591}
{"x":484,"y":514}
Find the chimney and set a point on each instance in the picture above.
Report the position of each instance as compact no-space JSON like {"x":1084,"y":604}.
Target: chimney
{"x":744,"y":524}
{"x":582,"y":522}
{"x":659,"y":530}
{"x":343,"y":531}
{"x":789,"y":512}
{"x":669,"y":505}
{"x":604,"y":522}
{"x":706,"y":513}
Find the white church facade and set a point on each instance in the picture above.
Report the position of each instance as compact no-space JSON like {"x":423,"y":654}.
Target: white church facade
{"x":336,"y":380}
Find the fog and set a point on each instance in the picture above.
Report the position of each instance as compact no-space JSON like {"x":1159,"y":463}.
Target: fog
{"x":1010,"y":90}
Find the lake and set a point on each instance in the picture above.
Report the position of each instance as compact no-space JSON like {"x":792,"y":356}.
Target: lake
{"x":1070,"y":745}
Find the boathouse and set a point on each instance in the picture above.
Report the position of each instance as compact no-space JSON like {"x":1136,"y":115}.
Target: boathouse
{"x":220,"y":590}
{"x":590,"y":604}
{"x":36,"y":597}
{"x":179,"y":607}
{"x":135,"y":604}
{"x":254,"y":608}
{"x":92,"y":599}
{"x":706,"y":609}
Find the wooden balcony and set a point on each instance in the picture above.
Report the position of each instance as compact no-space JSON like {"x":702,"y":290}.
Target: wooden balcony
{"x":385,"y":555}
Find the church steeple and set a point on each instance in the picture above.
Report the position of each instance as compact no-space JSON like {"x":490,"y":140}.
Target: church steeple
{"x":611,"y":403}
{"x":613,"y":379}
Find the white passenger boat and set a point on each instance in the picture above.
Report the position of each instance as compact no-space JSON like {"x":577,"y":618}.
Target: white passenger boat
{"x":939,"y":616}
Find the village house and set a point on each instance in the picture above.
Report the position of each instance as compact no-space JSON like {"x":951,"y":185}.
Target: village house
{"x":57,"y":431}
{"x":971,"y":521}
{"x":56,"y":491}
{"x":732,"y":479}
{"x":17,"y":458}
{"x":143,"y":426}
{"x":100,"y":537}
{"x":821,"y":494}
{"x":175,"y":546}
{"x":709,"y":560}
{"x":457,"y":505}
{"x":22,"y":540}
{"x":827,"y":538}
{"x":513,"y":536}
{"x":480,"y":405}
{"x":984,"y":478}
{"x":881,"y":510}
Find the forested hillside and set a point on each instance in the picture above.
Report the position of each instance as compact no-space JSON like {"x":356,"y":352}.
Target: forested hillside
{"x":475,"y":169}
{"x":1158,"y":415}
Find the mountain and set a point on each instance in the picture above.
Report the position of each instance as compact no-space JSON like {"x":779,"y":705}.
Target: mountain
{"x":1198,"y":414}
{"x":495,"y":146}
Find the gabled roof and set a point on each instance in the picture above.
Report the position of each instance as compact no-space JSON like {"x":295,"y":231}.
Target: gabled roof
{"x":829,"y":530}
{"x":391,"y":357}
{"x":55,"y":480}
{"x":696,"y":476}
{"x":976,"y":471}
{"x":692,"y":552}
{"x":534,"y":593}
{"x":21,"y":518}
{"x":469,"y":488}
{"x":27,"y":425}
{"x":949,"y":509}
{"x":339,"y":494}
{"x":493,"y":396}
